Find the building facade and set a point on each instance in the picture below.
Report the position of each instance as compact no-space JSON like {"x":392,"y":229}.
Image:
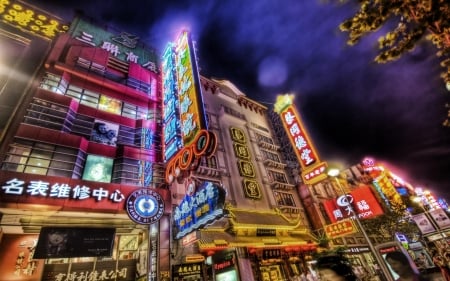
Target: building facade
{"x":264,"y":233}
{"x":83,"y":193}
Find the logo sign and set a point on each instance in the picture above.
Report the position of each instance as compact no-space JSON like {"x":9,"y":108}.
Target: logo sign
{"x":145,"y":206}
{"x":340,"y":228}
{"x":360,"y":201}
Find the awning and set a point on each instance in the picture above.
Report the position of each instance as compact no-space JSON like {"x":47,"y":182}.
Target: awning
{"x":218,"y":240}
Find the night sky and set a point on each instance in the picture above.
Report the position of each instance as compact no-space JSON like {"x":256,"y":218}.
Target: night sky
{"x":351,"y":106}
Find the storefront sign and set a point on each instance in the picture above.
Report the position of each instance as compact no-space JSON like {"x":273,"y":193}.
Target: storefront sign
{"x":70,"y":242}
{"x":303,"y":147}
{"x":340,"y":228}
{"x":202,"y":208}
{"x":122,"y":270}
{"x":64,"y":193}
{"x":28,"y":18}
{"x":145,"y":206}
{"x":123,"y":46}
{"x":187,"y":271}
{"x":360,"y":200}
{"x":59,"y":190}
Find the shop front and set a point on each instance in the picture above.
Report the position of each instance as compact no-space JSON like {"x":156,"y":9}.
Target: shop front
{"x":84,"y":233}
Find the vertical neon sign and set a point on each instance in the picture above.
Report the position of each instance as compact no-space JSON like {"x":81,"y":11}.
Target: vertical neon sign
{"x":172,"y":132}
{"x":312,"y":169}
{"x":192,"y":116}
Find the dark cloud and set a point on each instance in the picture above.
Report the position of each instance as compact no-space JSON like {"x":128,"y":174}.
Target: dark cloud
{"x":351,"y":106}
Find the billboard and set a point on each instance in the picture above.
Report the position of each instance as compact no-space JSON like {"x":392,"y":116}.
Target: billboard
{"x":69,"y":242}
{"x":105,"y":132}
{"x":361,"y":200}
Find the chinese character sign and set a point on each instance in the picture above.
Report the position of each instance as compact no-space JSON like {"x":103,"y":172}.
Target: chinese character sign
{"x":360,"y":201}
{"x":303,"y":147}
{"x":192,"y":114}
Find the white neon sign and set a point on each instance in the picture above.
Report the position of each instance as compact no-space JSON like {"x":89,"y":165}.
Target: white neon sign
{"x":60,"y":191}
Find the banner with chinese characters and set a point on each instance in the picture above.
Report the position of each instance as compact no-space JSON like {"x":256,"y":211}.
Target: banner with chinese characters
{"x":68,"y":194}
{"x":290,"y":118}
{"x":245,"y":165}
{"x":360,"y":201}
{"x":341,"y":228}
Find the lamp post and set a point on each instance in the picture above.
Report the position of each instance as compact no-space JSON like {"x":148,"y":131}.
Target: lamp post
{"x":334,"y":173}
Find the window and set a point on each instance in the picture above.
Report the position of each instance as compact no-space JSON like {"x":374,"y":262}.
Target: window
{"x":264,"y":139}
{"x":209,"y":162}
{"x":49,"y":115}
{"x":54,"y":83}
{"x":284,"y":199}
{"x":127,"y":171}
{"x":43,"y":159}
{"x":277,"y":176}
{"x":271,"y":156}
{"x":83,"y":96}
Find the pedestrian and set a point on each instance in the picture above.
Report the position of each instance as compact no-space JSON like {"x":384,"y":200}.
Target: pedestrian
{"x":400,"y":264}
{"x":335,"y":268}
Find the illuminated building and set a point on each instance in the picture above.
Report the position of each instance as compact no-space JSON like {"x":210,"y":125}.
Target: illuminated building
{"x":264,"y":227}
{"x":82,"y":177}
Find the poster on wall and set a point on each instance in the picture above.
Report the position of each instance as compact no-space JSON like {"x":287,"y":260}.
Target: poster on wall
{"x":98,"y":168}
{"x":65,"y":242}
{"x":105,"y":132}
{"x":440,"y":217}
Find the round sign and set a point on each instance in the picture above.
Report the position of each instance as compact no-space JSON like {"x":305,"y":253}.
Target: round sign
{"x":145,"y":206}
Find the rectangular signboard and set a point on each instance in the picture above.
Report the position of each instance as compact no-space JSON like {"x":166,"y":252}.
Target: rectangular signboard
{"x":69,"y":242}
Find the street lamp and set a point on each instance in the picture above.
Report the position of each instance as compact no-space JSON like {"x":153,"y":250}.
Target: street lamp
{"x":334,"y":173}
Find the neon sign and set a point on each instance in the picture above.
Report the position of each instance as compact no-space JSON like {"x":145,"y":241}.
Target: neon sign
{"x":192,"y":115}
{"x":30,"y":19}
{"x":360,"y":201}
{"x":172,"y":133}
{"x":39,"y":188}
{"x":197,"y":210}
{"x":186,"y":138}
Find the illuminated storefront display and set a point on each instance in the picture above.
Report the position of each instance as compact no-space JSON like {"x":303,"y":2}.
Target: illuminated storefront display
{"x":30,"y":19}
{"x":201,"y":208}
{"x":313,"y":170}
{"x":185,"y":272}
{"x":98,"y":168}
{"x":360,"y":200}
{"x":225,"y":266}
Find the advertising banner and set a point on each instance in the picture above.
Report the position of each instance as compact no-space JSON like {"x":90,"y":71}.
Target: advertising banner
{"x":423,"y":223}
